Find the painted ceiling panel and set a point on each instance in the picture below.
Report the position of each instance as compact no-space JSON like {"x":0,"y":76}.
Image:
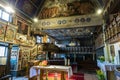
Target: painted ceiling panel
{"x":63,"y":8}
{"x":36,"y":2}
{"x":69,"y":33}
{"x":47,"y":9}
{"x":26,"y":7}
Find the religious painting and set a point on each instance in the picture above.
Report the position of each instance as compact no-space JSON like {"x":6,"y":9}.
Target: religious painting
{"x":22,"y":28}
{"x":33,"y":52}
{"x":27,"y":7}
{"x":25,"y":52}
{"x":21,"y":39}
{"x":10,"y":34}
{"x":40,"y":48}
{"x":2,"y":32}
{"x":60,"y":8}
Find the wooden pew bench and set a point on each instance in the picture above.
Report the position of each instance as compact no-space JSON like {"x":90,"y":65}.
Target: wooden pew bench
{"x":3,"y":73}
{"x":6,"y":77}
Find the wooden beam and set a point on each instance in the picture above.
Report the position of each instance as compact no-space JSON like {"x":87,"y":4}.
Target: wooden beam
{"x":69,"y":22}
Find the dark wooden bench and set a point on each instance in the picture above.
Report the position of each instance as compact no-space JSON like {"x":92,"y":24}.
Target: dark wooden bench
{"x":3,"y":73}
{"x":6,"y":77}
{"x":88,"y":65}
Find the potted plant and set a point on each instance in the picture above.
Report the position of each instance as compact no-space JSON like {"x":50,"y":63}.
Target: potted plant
{"x":101,"y":58}
{"x":100,"y":75}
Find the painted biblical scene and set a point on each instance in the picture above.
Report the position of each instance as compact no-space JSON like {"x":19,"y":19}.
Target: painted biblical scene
{"x":58,"y":8}
{"x":2,"y":32}
{"x":10,"y":34}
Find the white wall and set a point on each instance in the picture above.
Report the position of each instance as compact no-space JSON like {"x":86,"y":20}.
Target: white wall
{"x":3,"y":60}
{"x":117,"y":48}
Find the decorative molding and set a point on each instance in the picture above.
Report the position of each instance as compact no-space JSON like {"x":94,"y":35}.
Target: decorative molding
{"x":69,"y":22}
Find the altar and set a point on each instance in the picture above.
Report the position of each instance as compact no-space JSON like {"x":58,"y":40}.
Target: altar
{"x":40,"y":70}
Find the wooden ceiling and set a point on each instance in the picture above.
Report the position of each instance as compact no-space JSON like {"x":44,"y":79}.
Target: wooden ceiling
{"x":65,"y":8}
{"x":68,"y":33}
{"x":64,"y":26}
{"x":68,"y":19}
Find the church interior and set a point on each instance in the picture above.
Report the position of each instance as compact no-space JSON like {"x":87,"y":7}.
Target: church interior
{"x":59,"y":39}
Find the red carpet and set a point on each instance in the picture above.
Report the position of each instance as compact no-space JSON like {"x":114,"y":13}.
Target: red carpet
{"x":75,"y":76}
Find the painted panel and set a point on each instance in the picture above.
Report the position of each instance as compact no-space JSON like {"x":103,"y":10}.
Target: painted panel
{"x":37,"y":2}
{"x":64,"y":8}
{"x":27,"y":7}
{"x":73,"y":21}
{"x":10,"y":34}
{"x":2,"y":32}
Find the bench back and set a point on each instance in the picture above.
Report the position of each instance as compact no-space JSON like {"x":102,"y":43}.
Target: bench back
{"x":2,"y":70}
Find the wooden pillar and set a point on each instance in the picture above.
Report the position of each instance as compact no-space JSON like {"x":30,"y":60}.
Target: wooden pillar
{"x":106,"y":45}
{"x":14,"y":19}
{"x":46,"y":55}
{"x":29,"y":29}
{"x":41,"y":74}
{"x":8,"y":59}
{"x":74,"y":57}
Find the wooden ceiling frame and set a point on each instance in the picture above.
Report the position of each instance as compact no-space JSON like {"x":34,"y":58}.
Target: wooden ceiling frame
{"x":69,"y":22}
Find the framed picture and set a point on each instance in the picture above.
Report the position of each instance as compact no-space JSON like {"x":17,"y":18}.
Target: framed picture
{"x":33,"y":52}
{"x":2,"y":32}
{"x":10,"y":34}
{"x":112,"y":50}
{"x":21,"y":39}
{"x":24,"y":5}
{"x":22,"y":28}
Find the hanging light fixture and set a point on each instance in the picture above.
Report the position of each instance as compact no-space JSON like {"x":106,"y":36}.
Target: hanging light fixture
{"x":72,"y":43}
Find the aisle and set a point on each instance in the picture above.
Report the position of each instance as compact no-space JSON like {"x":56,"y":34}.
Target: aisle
{"x":90,"y":77}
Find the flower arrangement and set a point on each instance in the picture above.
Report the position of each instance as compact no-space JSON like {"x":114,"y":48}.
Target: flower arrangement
{"x":43,"y":63}
{"x":102,"y":58}
{"x":100,"y":75}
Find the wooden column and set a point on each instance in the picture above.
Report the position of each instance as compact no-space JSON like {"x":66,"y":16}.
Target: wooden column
{"x":41,"y":74}
{"x":8,"y":59}
{"x":106,"y":50}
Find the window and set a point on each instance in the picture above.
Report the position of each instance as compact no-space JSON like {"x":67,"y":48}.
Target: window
{"x":38,"y":39}
{"x":3,"y":51}
{"x":48,"y":40}
{"x":0,"y":13}
{"x":5,"y":16}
